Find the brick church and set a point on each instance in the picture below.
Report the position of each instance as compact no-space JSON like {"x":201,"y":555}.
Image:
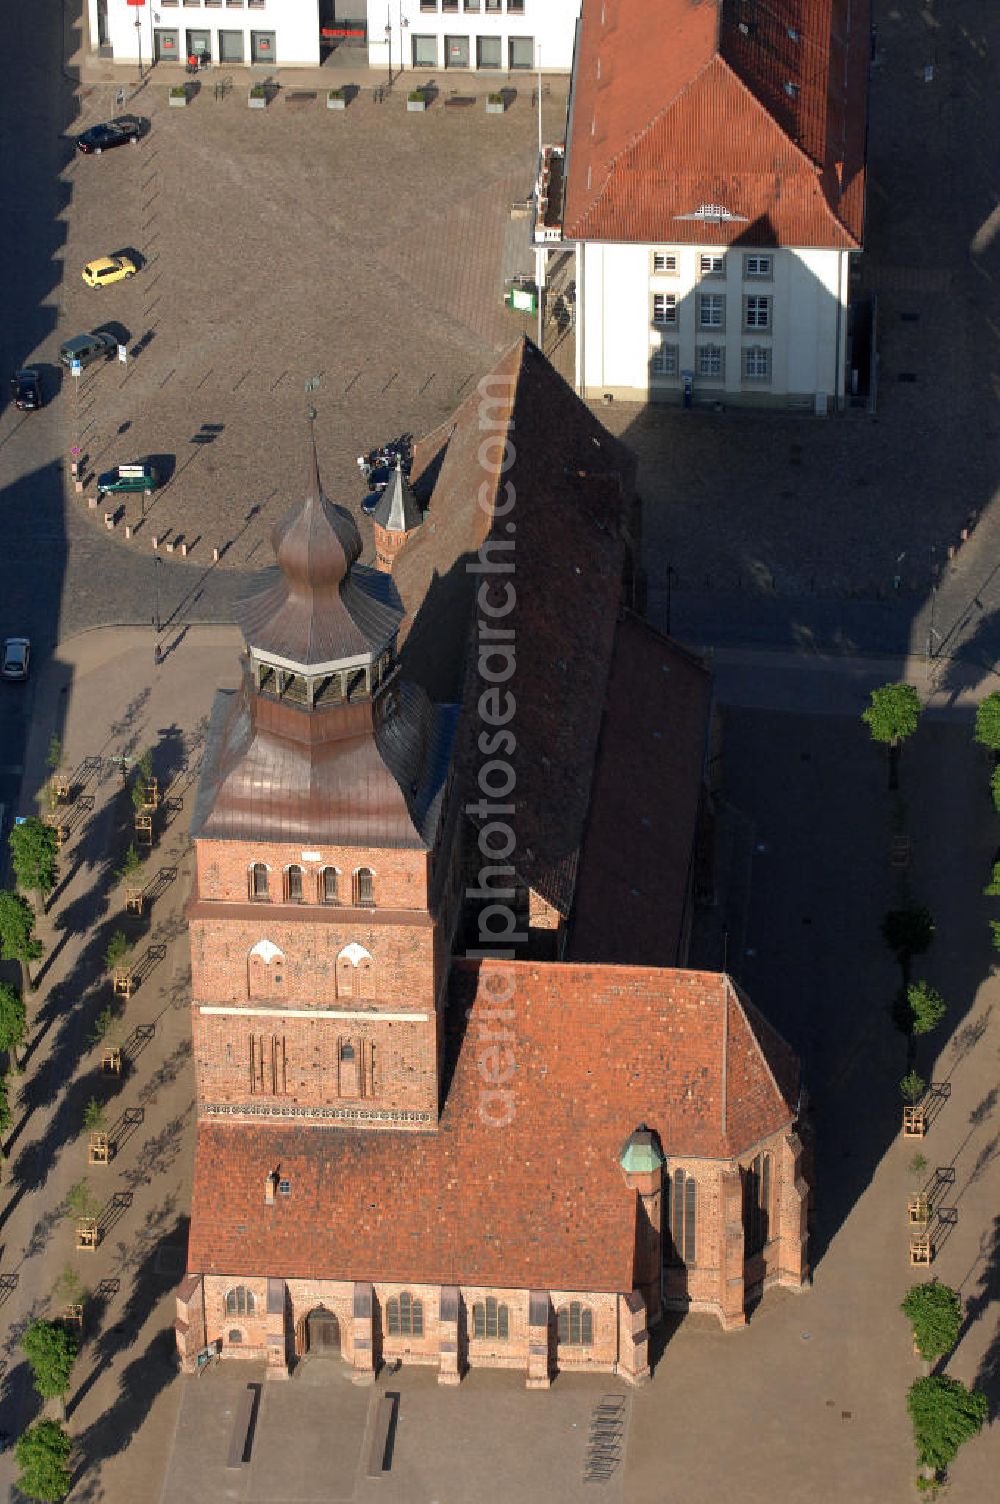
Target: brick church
{"x":460,"y":1101}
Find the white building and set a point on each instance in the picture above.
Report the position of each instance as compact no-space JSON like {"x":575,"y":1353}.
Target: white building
{"x":488,"y":35}
{"x":715,"y":190}
{"x":277,"y":32}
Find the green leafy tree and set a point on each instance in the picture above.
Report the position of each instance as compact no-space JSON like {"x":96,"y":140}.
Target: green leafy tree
{"x":42,"y":1453}
{"x":51,"y":1348}
{"x":995,"y":788}
{"x":54,"y":757}
{"x":69,"y":1287}
{"x":926,"y":1007}
{"x":143,"y":774}
{"x":94,"y":1116}
{"x":908,"y":931}
{"x":106,"y":1026}
{"x":995,"y":932}
{"x":34,"y":848}
{"x":912,"y":1087}
{"x":6,"y":1115}
{"x":130,"y":866}
{"x":17,"y":932}
{"x":118,"y":949}
{"x":13,"y":1020}
{"x":987,"y":732}
{"x":935,"y":1313}
{"x":944,"y":1414}
{"x":81,"y":1201}
{"x":992,"y":889}
{"x":893,"y":713}
{"x":918,"y":1164}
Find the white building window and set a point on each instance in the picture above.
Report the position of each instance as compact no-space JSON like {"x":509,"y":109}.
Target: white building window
{"x":711,"y":310}
{"x":757,"y":363}
{"x":665,"y":262}
{"x":712,"y":362}
{"x":522,"y":49}
{"x":757,"y":267}
{"x":712,"y":264}
{"x":756,"y":312}
{"x":665,"y":361}
{"x":425,"y":51}
{"x":664,"y":308}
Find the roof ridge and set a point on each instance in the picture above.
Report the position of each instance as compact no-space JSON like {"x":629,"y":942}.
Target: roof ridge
{"x":746,"y":1008}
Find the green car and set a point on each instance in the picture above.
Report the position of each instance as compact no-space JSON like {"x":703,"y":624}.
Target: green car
{"x":127,"y":478}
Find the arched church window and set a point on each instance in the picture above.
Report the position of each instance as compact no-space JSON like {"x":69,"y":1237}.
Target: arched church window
{"x":239,"y":1301}
{"x":258,"y":881}
{"x":575,"y":1324}
{"x":293,"y":884}
{"x":757,"y":1203}
{"x":681,"y":1208}
{"x":364,"y":888}
{"x":490,"y":1319}
{"x":328,"y":885}
{"x":405,"y":1316}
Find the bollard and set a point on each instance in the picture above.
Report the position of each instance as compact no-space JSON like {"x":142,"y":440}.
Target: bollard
{"x":964,"y":535}
{"x":109,"y":521}
{"x":155,"y":541}
{"x":169,"y":547}
{"x":951,"y":550}
{"x":184,"y":550}
{"x":128,"y":532}
{"x":74,"y":468}
{"x":215,"y":556}
{"x":92,"y":503}
{"x":78,"y":487}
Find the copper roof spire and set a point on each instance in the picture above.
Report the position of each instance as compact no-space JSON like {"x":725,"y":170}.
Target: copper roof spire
{"x":319,"y":608}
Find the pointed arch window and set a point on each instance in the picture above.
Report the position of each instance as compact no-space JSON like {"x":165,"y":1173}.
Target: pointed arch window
{"x":405,"y":1316}
{"x":681,"y":1196}
{"x":364,"y":888}
{"x":293,"y":883}
{"x":490,"y":1319}
{"x":259,"y":885}
{"x":239,"y":1301}
{"x":575,"y":1325}
{"x":756,"y":1203}
{"x":329,"y":885}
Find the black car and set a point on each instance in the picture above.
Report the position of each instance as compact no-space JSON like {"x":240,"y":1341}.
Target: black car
{"x":124,"y":128}
{"x":26,"y":387}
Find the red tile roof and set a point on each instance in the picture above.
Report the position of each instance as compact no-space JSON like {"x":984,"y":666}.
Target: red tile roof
{"x":539,"y":1202}
{"x":760,"y":110}
{"x":635,"y":872}
{"x":572,"y":486}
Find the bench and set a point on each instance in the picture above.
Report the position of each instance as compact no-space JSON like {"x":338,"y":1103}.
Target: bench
{"x":301,"y":96}
{"x":380,"y":1455}
{"x":459,"y":101}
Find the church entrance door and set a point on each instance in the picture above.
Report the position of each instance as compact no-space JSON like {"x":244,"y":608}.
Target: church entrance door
{"x":322,"y":1333}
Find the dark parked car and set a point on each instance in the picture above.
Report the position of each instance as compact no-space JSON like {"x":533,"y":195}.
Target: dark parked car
{"x":86,"y":348}
{"x":124,"y":128}
{"x":26,"y":387}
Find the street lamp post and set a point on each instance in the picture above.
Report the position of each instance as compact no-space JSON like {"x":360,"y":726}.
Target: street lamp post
{"x":138,"y":37}
{"x":156,"y":592}
{"x":388,"y":33}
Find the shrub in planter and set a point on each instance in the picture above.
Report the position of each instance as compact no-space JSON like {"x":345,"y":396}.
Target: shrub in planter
{"x":177,"y":95}
{"x":494,"y":104}
{"x":416,"y":100}
{"x":336,"y":99}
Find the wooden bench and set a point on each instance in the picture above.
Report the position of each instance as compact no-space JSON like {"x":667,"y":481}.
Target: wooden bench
{"x":301,"y":96}
{"x":459,"y":101}
{"x":380,"y":1455}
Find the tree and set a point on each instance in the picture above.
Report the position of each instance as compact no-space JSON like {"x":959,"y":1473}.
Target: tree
{"x":995,"y":788}
{"x":891,"y":717}
{"x":927,"y":1008}
{"x":944,"y":1414}
{"x":912,"y":1087}
{"x":54,"y":757}
{"x":118,"y":949}
{"x":13,"y":1020}
{"x":143,"y":776}
{"x":987,"y":732}
{"x":908,"y":931}
{"x":995,"y":932}
{"x":130,"y":865}
{"x":6,"y":1116}
{"x":94,"y":1116}
{"x":34,"y":847}
{"x":935,"y":1313}
{"x":17,"y":932}
{"x":43,"y":1454}
{"x":69,"y":1287}
{"x":992,"y":889}
{"x":106,"y":1025}
{"x":51,"y":1349}
{"x":81,"y":1201}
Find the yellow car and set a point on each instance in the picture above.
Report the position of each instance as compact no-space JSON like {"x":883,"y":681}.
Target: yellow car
{"x":107,"y":269}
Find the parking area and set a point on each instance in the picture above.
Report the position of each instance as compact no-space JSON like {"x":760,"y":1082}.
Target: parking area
{"x":364,"y":248}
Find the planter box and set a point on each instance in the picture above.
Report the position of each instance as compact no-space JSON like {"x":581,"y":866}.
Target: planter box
{"x":417,"y":105}
{"x":336,"y":104}
{"x":177,"y":101}
{"x":257,"y":101}
{"x":494,"y":109}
